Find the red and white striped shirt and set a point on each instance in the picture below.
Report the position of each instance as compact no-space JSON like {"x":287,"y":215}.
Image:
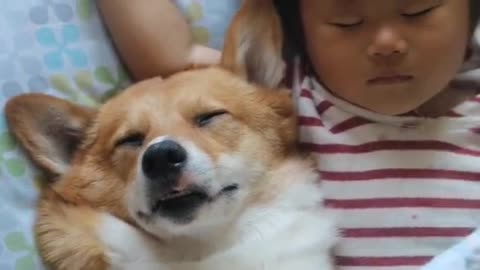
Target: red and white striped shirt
{"x":405,"y":188}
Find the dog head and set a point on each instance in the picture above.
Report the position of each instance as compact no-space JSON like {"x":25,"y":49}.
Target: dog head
{"x":169,"y":155}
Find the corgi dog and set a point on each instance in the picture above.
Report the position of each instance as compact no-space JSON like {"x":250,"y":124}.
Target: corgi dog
{"x":199,"y":171}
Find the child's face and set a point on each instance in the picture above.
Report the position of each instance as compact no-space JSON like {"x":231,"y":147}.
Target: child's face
{"x":388,"y":56}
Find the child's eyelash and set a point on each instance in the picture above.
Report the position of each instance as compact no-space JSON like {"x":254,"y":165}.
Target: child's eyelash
{"x":420,"y":13}
{"x":347,"y":25}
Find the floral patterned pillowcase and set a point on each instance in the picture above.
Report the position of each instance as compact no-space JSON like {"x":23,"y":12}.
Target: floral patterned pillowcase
{"x":57,"y":47}
{"x":209,"y":19}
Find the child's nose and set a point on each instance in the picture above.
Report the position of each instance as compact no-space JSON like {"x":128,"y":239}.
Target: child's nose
{"x":387,"y":42}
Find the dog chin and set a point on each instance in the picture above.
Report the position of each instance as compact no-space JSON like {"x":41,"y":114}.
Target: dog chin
{"x":211,"y":215}
{"x":205,"y":206}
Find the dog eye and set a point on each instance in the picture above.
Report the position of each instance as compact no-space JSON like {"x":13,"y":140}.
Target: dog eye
{"x":132,"y":140}
{"x":205,"y":118}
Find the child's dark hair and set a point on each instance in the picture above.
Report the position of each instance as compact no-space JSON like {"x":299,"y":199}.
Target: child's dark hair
{"x":474,"y":14}
{"x":289,"y":12}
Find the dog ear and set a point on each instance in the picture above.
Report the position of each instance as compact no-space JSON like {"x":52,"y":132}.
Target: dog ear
{"x":49,"y":129}
{"x":285,"y":115}
{"x":253,"y":44}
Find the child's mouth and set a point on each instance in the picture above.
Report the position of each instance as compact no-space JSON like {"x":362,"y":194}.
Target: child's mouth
{"x":390,"y":79}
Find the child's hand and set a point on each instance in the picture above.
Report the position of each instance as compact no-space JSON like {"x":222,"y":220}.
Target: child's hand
{"x":202,"y":56}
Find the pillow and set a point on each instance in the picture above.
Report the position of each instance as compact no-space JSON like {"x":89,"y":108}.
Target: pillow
{"x":54,"y":47}
{"x":209,"y":19}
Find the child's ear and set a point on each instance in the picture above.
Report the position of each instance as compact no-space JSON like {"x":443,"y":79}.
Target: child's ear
{"x":253,"y":44}
{"x":49,"y":129}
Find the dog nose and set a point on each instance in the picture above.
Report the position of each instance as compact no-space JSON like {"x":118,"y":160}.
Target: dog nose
{"x":163,"y":159}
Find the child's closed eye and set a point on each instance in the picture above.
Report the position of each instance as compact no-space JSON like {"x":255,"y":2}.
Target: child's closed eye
{"x":346,"y":23}
{"x":420,"y":12}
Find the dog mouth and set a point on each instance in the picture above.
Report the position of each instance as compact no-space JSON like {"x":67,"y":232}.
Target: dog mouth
{"x":181,"y":205}
{"x":175,"y":202}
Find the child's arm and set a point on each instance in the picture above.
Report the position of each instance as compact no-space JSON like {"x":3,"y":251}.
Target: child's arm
{"x":153,"y":38}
